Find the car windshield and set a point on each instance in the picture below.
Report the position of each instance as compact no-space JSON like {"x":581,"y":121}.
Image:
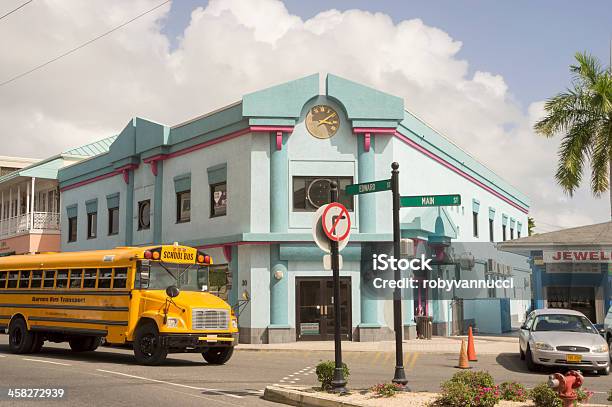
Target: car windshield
{"x":563,"y":323}
{"x":159,"y":276}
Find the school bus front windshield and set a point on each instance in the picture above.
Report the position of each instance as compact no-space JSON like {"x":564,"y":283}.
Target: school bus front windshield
{"x":153,"y":275}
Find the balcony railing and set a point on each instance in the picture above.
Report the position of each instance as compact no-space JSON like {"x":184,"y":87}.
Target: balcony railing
{"x":23,"y":223}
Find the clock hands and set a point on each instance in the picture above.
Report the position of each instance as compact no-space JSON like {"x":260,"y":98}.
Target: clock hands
{"x":325,"y":120}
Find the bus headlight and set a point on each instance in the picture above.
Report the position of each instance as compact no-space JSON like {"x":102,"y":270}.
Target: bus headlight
{"x":234,"y":324}
{"x":172,"y":322}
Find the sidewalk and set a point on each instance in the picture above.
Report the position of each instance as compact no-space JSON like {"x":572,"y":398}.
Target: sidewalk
{"x":485,"y":345}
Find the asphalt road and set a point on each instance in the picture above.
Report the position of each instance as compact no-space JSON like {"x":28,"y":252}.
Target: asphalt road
{"x":110,"y":377}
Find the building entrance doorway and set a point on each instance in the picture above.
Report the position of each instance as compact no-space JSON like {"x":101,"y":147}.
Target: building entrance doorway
{"x":315,"y":309}
{"x":576,"y":298}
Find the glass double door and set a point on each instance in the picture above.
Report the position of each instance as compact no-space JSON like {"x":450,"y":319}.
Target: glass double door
{"x":315,"y":309}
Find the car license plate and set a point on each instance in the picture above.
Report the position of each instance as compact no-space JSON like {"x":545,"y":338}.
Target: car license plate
{"x":573,"y":358}
{"x":211,"y":338}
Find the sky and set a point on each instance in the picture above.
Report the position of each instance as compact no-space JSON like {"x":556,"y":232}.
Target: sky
{"x":477,"y":71}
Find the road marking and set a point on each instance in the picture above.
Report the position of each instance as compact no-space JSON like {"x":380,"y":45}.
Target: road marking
{"x":47,"y":361}
{"x":172,"y":384}
{"x":2,"y":356}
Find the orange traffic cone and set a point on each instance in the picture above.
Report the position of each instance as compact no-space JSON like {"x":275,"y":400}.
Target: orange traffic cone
{"x":471,"y":352}
{"x":463,"y":358}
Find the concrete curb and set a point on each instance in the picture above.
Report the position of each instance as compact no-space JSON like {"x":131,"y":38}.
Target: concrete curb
{"x":301,"y":399}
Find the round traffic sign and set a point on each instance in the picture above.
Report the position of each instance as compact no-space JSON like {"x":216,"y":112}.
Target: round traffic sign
{"x":336,"y":222}
{"x":319,"y":235}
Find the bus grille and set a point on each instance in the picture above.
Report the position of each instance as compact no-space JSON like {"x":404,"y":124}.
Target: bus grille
{"x":202,"y":318}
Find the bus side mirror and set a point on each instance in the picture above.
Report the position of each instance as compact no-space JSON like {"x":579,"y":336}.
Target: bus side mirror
{"x":172,"y":291}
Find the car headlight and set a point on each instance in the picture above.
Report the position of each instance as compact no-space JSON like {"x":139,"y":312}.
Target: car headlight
{"x":172,"y":322}
{"x":543,"y":346}
{"x":234,"y":324}
{"x":600,"y":349}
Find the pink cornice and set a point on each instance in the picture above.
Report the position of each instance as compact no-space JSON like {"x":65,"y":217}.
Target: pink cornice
{"x":121,"y":170}
{"x":374,"y":130}
{"x":457,"y":170}
{"x":262,"y":129}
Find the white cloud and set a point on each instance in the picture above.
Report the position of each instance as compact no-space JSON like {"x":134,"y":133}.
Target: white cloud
{"x":233,"y":47}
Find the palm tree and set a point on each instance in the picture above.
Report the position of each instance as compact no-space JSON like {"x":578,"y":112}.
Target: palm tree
{"x":582,"y":115}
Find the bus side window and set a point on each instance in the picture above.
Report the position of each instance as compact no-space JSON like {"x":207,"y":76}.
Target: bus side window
{"x":62,"y":279}
{"x":120,"y":280}
{"x":24,"y":279}
{"x":104,"y":280}
{"x":12,"y":279}
{"x":76,"y":275}
{"x":49,"y":279}
{"x":89,"y":280}
{"x":36,"y":279}
{"x":3,"y":278}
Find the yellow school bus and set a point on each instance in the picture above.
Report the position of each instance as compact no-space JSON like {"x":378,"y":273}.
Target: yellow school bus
{"x":154,"y":298}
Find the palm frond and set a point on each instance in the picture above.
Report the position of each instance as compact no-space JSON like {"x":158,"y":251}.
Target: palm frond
{"x":588,"y":69}
{"x":575,"y":149}
{"x":600,"y":159}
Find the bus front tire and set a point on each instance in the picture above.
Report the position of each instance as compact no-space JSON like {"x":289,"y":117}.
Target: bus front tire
{"x":148,"y":349}
{"x":84,"y":344}
{"x":218,"y":356}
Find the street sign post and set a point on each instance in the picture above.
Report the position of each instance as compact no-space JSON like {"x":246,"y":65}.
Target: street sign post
{"x":430,"y":200}
{"x":399,"y":376}
{"x":367,"y":187}
{"x":338,"y":381}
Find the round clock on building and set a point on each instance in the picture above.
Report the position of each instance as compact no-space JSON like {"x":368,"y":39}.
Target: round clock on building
{"x":322,"y":121}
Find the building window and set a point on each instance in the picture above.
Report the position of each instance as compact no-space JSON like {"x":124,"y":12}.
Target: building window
{"x":144,"y":214}
{"x":72,"y":229}
{"x":504,"y":233}
{"x":511,"y":233}
{"x":491,"y":231}
{"x":310,"y":193}
{"x":92,"y":225}
{"x":113,"y":221}
{"x":183,"y":206}
{"x":518,"y":234}
{"x":475,"y":223}
{"x":218,"y":199}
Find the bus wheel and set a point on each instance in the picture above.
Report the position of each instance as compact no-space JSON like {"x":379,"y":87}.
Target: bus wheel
{"x":37,"y":343}
{"x":148,"y":349}
{"x":20,"y":339}
{"x":84,"y":343}
{"x":218,"y":356}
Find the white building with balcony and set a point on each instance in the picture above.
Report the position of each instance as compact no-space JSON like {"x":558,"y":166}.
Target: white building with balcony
{"x":29,"y":200}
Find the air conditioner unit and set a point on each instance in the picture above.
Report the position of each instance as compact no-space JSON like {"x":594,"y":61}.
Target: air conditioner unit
{"x":407,"y":248}
{"x":467,"y":261}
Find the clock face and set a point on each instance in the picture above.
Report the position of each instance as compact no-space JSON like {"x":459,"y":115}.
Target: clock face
{"x":322,"y":121}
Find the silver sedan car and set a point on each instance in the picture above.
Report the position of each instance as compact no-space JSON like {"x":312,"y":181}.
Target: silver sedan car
{"x":565,"y":338}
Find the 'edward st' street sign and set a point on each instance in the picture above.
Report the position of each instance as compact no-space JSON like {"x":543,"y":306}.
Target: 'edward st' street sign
{"x":430,"y":200}
{"x":367,"y":187}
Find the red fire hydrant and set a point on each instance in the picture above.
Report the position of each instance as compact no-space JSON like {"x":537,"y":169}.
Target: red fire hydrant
{"x":566,"y":385}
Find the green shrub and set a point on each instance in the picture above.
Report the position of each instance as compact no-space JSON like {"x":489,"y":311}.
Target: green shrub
{"x":513,"y":391}
{"x":455,"y":394}
{"x":473,"y":379}
{"x":325,"y":373}
{"x":386,"y":389}
{"x":544,"y":396}
{"x":583,"y":395}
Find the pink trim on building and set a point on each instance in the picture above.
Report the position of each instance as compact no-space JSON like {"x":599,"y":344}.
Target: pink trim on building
{"x":457,"y":170}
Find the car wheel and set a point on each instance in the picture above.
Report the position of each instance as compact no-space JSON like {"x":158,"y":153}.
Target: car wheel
{"x":148,"y":349}
{"x":604,"y":372}
{"x":218,"y":356}
{"x":20,"y":339}
{"x":610,"y":347}
{"x":531,"y":365}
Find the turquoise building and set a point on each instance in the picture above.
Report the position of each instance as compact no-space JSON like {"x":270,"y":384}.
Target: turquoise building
{"x":244,"y":181}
